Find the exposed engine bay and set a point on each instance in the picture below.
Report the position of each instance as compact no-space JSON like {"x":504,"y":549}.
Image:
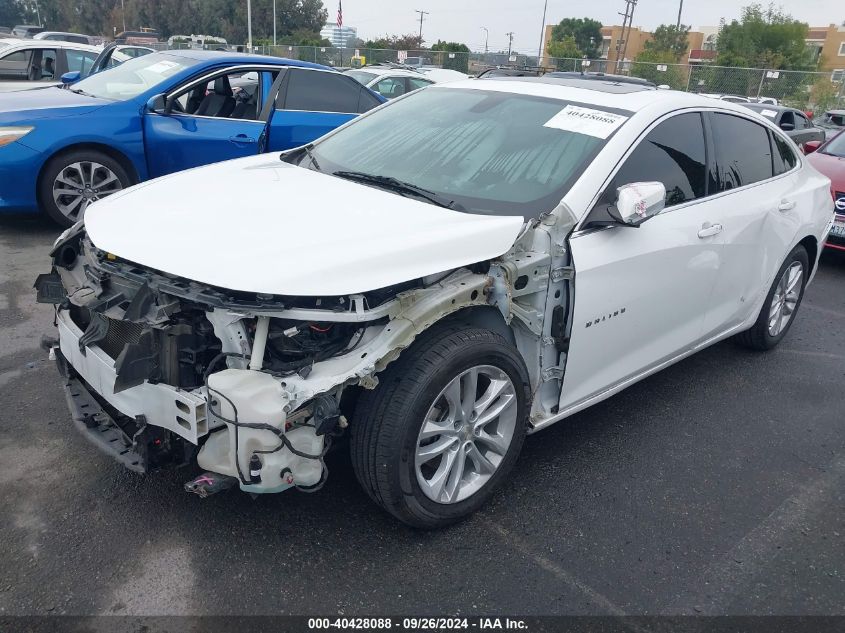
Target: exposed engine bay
{"x":161,"y":371}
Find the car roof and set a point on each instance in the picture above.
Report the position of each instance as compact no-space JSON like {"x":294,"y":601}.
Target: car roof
{"x":240,"y":58}
{"x":599,"y":76}
{"x":630,"y":97}
{"x":53,"y":44}
{"x":387,"y":70}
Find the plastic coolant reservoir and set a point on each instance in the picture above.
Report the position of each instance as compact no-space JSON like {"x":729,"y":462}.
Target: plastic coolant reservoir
{"x":259,"y":399}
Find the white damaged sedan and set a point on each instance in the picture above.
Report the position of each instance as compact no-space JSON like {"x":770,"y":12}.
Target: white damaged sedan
{"x":434,"y":280}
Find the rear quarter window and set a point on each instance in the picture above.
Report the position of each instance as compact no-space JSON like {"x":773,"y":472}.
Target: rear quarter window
{"x":743,"y":151}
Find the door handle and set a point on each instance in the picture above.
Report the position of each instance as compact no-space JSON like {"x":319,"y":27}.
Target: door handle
{"x":241,"y":138}
{"x":786,"y":205}
{"x":709,"y":230}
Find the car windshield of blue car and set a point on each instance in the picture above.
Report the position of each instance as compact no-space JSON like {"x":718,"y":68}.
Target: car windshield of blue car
{"x":486,"y":151}
{"x":132,"y":77}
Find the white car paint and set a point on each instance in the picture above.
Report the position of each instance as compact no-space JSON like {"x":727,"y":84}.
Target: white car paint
{"x":300,"y":228}
{"x":14,"y":46}
{"x":642,"y":297}
{"x":442,"y":75}
{"x":380,"y":73}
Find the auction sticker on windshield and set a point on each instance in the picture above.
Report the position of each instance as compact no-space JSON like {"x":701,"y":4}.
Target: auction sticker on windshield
{"x":162,"y":67}
{"x":586,"y":121}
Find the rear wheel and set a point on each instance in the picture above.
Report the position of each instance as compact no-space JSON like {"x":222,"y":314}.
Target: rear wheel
{"x":781,"y":304}
{"x":444,"y":427}
{"x":73,"y":180}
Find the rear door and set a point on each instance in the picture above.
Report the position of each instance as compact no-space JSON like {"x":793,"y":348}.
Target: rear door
{"x":311,"y":102}
{"x":217,"y":117}
{"x":641,"y":293}
{"x":758,"y":195}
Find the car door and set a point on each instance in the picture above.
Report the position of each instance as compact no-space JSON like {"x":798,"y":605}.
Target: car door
{"x":807,"y":131}
{"x":756,"y":212}
{"x":203,"y":121}
{"x":310,"y":103}
{"x":641,"y":294}
{"x":80,"y":61}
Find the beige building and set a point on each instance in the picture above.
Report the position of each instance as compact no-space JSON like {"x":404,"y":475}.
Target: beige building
{"x":828,"y":45}
{"x":612,"y":45}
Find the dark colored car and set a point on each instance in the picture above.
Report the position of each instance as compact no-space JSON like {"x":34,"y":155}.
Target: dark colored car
{"x":794,"y":122}
{"x":829,"y":159}
{"x":831,"y":122}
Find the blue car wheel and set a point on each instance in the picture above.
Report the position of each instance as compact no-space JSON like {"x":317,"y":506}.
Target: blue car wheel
{"x":75,"y":179}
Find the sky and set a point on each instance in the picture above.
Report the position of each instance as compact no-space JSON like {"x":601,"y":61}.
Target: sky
{"x":461,"y":20}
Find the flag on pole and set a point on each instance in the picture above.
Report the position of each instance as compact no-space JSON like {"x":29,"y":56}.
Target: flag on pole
{"x":339,"y":14}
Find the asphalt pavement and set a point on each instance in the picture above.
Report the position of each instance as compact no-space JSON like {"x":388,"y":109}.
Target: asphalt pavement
{"x":714,"y":487}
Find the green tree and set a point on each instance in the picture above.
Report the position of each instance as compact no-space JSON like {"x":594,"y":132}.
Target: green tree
{"x":564,"y":53}
{"x":459,"y":62}
{"x":764,"y":38}
{"x":586,"y":32}
{"x":648,"y":65}
{"x":668,"y":38}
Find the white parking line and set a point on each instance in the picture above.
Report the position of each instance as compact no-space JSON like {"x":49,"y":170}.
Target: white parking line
{"x":554,"y":569}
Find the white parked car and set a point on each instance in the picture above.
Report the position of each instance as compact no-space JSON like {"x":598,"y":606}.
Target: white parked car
{"x":27,"y":64}
{"x":436,"y":279}
{"x":442,"y":75}
{"x":388,"y":80}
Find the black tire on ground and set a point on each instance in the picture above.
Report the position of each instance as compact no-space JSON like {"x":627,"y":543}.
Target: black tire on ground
{"x":758,"y":336}
{"x":59,"y":163}
{"x":387,"y":421}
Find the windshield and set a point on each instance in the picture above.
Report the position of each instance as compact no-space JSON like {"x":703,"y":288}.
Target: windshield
{"x":361,"y":77}
{"x":836,"y":146}
{"x":831,"y":119}
{"x":491,"y":152}
{"x":132,"y":77}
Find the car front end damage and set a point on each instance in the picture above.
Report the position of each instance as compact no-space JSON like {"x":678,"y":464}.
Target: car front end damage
{"x":161,"y":371}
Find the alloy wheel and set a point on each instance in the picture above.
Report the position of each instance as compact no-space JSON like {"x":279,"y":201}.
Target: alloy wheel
{"x":785,"y":298}
{"x":466,"y":434}
{"x":79,"y":184}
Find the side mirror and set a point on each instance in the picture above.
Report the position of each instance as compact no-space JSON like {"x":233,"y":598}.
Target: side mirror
{"x":71,"y":77}
{"x":787,"y":127}
{"x":157,"y":104}
{"x":811,"y":146}
{"x":637,"y":202}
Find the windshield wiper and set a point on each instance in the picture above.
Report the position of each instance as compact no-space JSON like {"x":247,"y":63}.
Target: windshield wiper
{"x":401,"y":187}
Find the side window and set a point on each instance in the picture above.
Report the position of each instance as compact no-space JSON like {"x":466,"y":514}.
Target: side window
{"x":801,"y":122}
{"x":418,"y":83}
{"x":672,"y":153}
{"x":783,"y":156}
{"x":390,"y":87}
{"x":79,"y":61}
{"x":321,"y":91}
{"x":743,"y":153}
{"x":15,"y":66}
{"x":233,"y":95}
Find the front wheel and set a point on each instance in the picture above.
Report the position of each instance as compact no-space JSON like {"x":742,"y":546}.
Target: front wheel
{"x":73,"y":180}
{"x":781,"y":304}
{"x":444,"y":427}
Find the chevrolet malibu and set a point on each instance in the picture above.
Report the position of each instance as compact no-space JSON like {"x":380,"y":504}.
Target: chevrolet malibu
{"x":434,"y":280}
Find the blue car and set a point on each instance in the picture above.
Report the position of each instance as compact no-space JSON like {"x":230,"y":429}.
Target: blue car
{"x":63,"y":148}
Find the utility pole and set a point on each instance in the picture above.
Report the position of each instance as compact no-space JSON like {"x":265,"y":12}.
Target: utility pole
{"x":123,"y":12}
{"x":249,"y":24}
{"x":274,"y":22}
{"x":680,"y":8}
{"x":622,"y":45}
{"x":542,"y":34}
{"x":486,"y":38}
{"x":510,"y":43}
{"x":422,"y":16}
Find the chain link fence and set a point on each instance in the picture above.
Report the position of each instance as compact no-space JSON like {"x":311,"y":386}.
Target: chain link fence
{"x":800,"y":89}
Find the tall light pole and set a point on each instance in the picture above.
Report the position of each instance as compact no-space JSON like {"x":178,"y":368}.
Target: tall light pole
{"x":542,"y":34}
{"x":510,"y":43}
{"x":422,"y":15}
{"x":486,"y":38}
{"x":274,"y":22}
{"x":249,"y":24}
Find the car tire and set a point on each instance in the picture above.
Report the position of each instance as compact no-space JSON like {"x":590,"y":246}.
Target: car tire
{"x":389,"y":449}
{"x":72,"y":180}
{"x":781,"y":304}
